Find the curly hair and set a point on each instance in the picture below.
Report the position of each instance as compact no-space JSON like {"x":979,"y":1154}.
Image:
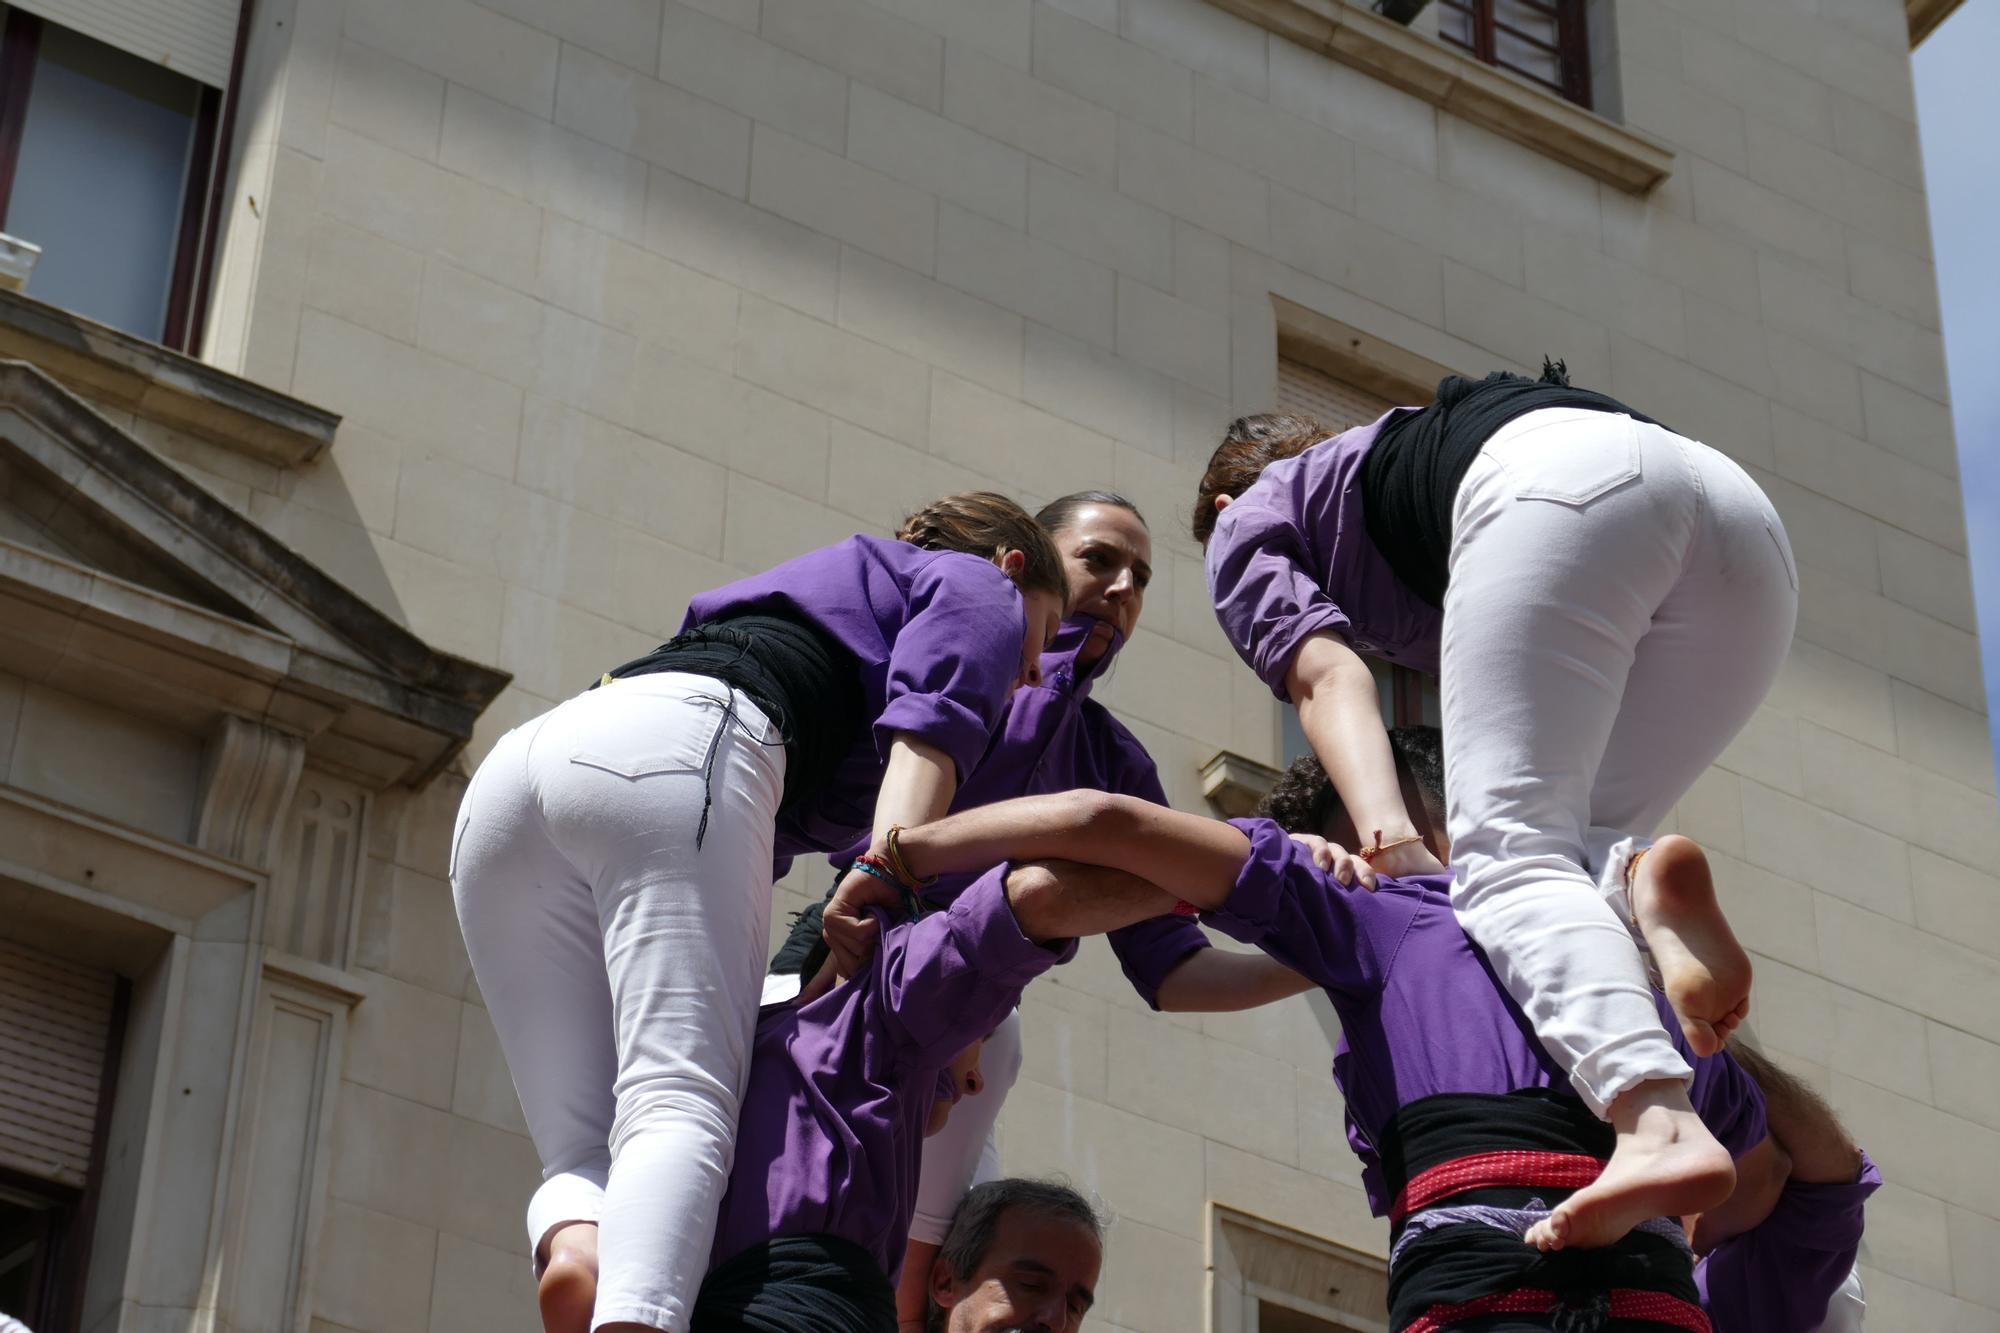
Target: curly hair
{"x":1304,"y":801}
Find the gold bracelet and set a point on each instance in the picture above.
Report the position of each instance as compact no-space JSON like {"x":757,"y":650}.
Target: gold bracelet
{"x":901,"y":866}
{"x":1376,"y":848}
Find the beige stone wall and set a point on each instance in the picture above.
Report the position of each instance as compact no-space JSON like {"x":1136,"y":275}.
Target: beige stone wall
{"x":623,"y":297}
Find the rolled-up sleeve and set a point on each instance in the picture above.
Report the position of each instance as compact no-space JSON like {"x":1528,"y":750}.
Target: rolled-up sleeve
{"x":953,"y":659}
{"x":1266,"y":596}
{"x":1306,"y":920}
{"x":1729,"y":1100}
{"x":1148,"y":950}
{"x":950,"y":977}
{"x":1781,"y":1273}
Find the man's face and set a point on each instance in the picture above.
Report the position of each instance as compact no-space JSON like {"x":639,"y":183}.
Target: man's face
{"x":1038,"y":1276}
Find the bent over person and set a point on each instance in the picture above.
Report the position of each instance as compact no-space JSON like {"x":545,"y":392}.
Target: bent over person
{"x":613,"y":858}
{"x":1478,"y":1134}
{"x":1606,"y":603}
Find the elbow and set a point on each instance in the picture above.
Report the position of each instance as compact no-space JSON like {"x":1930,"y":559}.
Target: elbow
{"x":1034,"y":894}
{"x":1105,"y":815}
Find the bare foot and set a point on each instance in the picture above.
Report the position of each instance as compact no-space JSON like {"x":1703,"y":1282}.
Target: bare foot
{"x":1666,"y":1164}
{"x":568,"y":1291}
{"x":1704,"y":971}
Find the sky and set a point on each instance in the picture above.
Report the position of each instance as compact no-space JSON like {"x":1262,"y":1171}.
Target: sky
{"x":1958,"y":115}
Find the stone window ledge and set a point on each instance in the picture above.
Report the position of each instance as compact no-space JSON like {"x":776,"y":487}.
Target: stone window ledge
{"x":1467,"y":88}
{"x":110,"y":366}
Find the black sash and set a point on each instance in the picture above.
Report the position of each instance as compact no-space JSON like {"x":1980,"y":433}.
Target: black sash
{"x":797,"y":1284}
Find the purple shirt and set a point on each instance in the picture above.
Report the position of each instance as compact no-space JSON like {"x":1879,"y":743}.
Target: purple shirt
{"x":938,"y":638}
{"x":1055,"y":737}
{"x":1778,"y":1276}
{"x":1292,"y":557}
{"x":1420,"y":1010}
{"x":831,"y":1135}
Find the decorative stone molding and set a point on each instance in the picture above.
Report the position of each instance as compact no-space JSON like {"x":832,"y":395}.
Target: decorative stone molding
{"x":1467,"y":88}
{"x":1261,"y":1270}
{"x":248,"y":774}
{"x":145,"y":590}
{"x":165,"y":386}
{"x":1925,"y":15}
{"x":1234,"y":785}
{"x":1355,"y":355}
{"x":283,"y":1151}
{"x":311,"y":914}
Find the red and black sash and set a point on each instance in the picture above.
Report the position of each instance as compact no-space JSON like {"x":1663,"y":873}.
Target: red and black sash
{"x":1454,"y":1163}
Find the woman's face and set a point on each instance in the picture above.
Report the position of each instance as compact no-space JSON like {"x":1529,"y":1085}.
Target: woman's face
{"x":1109,"y":556}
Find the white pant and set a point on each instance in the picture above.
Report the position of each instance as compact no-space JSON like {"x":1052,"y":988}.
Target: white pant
{"x":622,"y":965}
{"x":965,"y":1152}
{"x":1621,"y":600}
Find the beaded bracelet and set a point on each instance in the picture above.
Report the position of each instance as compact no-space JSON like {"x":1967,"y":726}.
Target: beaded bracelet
{"x":876,"y":868}
{"x":1376,"y":848}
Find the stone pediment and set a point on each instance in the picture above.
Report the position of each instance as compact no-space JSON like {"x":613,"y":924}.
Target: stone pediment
{"x":124,"y":580}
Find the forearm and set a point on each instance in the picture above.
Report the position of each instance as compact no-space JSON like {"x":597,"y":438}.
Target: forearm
{"x":1341,"y":714}
{"x":1212,"y":981}
{"x":1760,"y":1178}
{"x":913,"y":1289}
{"x":1064,"y":900}
{"x":1187,"y":855}
{"x":1821,"y":1150}
{"x":917,"y":785}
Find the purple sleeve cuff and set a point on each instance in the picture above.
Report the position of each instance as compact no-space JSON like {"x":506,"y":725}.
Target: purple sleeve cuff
{"x":1251,"y":911}
{"x":951,"y":976}
{"x":1275,"y":649}
{"x":1150,"y":950}
{"x":939,"y":720}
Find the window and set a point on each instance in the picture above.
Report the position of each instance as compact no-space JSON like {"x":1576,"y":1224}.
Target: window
{"x":106,"y":162}
{"x":1541,"y":40}
{"x":1270,"y":1278}
{"x":61,"y":1029}
{"x":1408,"y":697}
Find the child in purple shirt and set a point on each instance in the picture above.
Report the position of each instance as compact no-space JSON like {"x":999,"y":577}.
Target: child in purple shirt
{"x":612,"y":861}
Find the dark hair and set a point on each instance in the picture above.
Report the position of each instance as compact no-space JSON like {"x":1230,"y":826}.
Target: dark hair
{"x":986,"y":523}
{"x":1249,"y":445}
{"x":977,"y":1221}
{"x":1060,"y":513}
{"x":1304,"y":800}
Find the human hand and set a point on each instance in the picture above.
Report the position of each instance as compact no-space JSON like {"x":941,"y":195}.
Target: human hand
{"x":1331,"y":856}
{"x":849,"y":930}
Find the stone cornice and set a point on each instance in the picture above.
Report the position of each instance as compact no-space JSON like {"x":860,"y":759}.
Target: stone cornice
{"x":216,"y":616}
{"x":1925,"y":15}
{"x":163,"y":386}
{"x":1467,"y":88}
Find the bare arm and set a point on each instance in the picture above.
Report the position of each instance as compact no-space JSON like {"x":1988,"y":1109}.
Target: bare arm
{"x":1187,"y":855}
{"x":1821,"y":1150}
{"x":1213,"y":981}
{"x":1057,"y":900}
{"x":1760,"y":1178}
{"x":1342,"y":716}
{"x":917,"y":786}
{"x":913,"y":1291}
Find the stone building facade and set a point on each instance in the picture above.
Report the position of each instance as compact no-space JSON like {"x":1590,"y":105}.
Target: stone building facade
{"x":516,"y":322}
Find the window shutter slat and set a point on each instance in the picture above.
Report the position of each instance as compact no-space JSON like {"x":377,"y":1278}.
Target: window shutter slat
{"x":193,"y":37}
{"x":56,"y":1017}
